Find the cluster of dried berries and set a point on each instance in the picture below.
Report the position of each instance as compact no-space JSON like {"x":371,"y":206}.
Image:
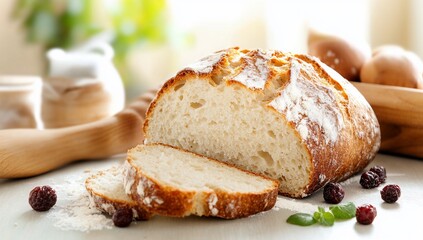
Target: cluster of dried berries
{"x":334,"y":193}
{"x":374,"y":177}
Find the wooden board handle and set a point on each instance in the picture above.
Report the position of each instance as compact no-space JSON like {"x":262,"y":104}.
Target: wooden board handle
{"x":29,"y":152}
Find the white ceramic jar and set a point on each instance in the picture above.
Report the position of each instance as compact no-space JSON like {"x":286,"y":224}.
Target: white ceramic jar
{"x":20,"y":102}
{"x":82,"y":86}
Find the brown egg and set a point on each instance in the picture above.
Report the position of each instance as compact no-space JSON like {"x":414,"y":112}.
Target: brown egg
{"x":344,"y":56}
{"x":392,"y":65}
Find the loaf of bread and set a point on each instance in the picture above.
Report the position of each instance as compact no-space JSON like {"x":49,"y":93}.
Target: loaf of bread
{"x":106,"y":192}
{"x":173,"y":182}
{"x":287,"y":116}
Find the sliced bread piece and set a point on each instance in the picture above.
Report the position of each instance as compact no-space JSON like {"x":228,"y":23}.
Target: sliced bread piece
{"x":173,"y":182}
{"x":106,"y":191}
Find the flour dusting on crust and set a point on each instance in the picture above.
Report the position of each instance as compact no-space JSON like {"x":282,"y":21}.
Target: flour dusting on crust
{"x":302,"y":106}
{"x":255,"y":71}
{"x":212,"y":200}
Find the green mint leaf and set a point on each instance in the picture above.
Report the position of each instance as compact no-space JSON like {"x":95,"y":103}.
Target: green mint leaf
{"x":324,"y":218}
{"x":327,"y":219}
{"x":346,"y":211}
{"x":317,"y":216}
{"x":301,"y":219}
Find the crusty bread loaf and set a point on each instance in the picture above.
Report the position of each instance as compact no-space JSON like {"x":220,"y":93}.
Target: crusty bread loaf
{"x":106,"y":191}
{"x":286,"y":116}
{"x":174,"y":182}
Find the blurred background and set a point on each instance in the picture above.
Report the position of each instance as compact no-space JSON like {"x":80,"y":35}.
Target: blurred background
{"x":153,"y":39}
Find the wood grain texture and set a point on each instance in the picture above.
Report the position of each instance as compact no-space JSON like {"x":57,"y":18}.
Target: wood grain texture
{"x":400,"y":114}
{"x":29,"y":152}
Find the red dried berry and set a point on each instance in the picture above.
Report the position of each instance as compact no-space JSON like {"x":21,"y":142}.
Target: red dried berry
{"x":390,"y":193}
{"x":365,"y":214}
{"x":369,"y":180}
{"x":380,"y":171}
{"x":122,"y":217}
{"x":333,"y":193}
{"x":42,"y":198}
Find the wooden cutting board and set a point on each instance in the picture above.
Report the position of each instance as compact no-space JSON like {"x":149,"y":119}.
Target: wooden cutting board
{"x":400,"y":114}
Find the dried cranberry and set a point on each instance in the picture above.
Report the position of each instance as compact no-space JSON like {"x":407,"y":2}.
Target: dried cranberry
{"x":365,"y":214}
{"x":390,"y":193}
{"x":369,"y":180}
{"x":380,"y":171}
{"x":333,"y":193}
{"x":42,"y":198}
{"x":122,"y":217}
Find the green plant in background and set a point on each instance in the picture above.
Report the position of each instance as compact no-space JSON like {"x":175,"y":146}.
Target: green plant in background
{"x":69,"y":23}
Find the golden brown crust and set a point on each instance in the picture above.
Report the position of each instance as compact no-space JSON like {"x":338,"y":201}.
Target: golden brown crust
{"x":361,"y":119}
{"x":162,"y":200}
{"x":168,"y":201}
{"x":355,"y":137}
{"x":231,"y":206}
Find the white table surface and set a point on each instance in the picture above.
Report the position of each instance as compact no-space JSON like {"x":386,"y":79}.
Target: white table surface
{"x":402,"y":220}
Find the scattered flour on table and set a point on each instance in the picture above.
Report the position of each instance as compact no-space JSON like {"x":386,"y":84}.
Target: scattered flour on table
{"x":74,"y":210}
{"x":294,"y":205}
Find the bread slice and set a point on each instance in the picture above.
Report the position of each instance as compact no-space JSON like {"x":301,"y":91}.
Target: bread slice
{"x":287,"y":116}
{"x":173,"y":182}
{"x":106,"y":192}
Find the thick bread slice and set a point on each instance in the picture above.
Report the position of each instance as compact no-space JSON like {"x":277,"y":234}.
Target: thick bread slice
{"x":173,"y":182}
{"x":106,"y":191}
{"x":286,"y":116}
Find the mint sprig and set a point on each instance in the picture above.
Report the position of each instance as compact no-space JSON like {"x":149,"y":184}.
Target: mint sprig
{"x":323,"y":217}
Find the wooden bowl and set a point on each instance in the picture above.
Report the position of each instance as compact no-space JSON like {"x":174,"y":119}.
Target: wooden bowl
{"x":400,"y":114}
